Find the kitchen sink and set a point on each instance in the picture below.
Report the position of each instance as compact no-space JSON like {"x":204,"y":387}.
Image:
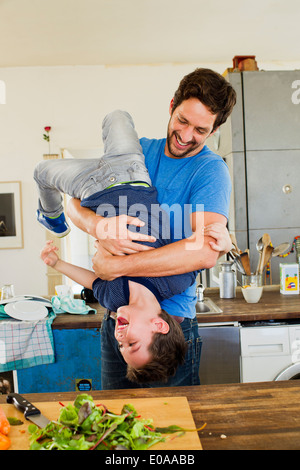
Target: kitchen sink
{"x":207,"y":306}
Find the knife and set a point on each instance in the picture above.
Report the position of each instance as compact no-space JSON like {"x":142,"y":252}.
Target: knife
{"x":30,"y":411}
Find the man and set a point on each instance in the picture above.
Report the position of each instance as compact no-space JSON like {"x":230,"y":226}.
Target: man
{"x":188,"y":175}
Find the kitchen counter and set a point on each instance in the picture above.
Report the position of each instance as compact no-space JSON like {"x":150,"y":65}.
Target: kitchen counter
{"x":264,"y":416}
{"x":272,"y":306}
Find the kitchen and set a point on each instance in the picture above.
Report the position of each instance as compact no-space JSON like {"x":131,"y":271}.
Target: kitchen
{"x":65,"y":94}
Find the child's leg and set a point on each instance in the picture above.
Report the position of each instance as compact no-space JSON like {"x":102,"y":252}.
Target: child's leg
{"x":121,"y":142}
{"x":67,"y":176}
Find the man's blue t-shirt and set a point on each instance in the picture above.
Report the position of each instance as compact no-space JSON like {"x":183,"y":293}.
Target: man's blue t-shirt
{"x":198,"y":183}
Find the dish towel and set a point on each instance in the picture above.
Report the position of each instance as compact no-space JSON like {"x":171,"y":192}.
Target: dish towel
{"x":25,"y":344}
{"x":68,"y":304}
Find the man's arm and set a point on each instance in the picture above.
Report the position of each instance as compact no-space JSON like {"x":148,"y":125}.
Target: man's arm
{"x":113,"y":232}
{"x":176,"y":258}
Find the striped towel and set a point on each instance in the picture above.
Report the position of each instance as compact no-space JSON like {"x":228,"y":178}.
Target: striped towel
{"x":25,"y":343}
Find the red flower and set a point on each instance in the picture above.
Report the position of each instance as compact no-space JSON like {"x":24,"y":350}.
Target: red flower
{"x":47,"y":128}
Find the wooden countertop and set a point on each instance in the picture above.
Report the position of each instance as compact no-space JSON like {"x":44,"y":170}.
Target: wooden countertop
{"x":272,"y":306}
{"x":254,"y":416}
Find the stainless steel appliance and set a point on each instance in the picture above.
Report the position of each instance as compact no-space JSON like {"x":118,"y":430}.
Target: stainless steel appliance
{"x":220,"y":354}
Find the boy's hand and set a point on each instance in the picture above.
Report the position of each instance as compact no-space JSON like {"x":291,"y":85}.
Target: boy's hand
{"x":221,"y":236}
{"x":48,"y":254}
{"x":113,"y":234}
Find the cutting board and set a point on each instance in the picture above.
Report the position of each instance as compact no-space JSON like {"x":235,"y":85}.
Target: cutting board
{"x":164,"y":411}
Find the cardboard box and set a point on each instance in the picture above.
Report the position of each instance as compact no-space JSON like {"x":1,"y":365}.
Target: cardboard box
{"x":289,"y":278}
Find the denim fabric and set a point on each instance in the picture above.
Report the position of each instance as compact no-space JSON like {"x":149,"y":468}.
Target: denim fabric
{"x":113,"y":366}
{"x":123,"y":161}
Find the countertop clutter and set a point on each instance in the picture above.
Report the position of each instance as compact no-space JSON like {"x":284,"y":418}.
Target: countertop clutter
{"x":254,"y":416}
{"x":239,"y":416}
{"x":272,"y":306}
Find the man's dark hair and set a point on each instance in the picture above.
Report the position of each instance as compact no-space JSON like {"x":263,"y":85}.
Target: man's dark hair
{"x":168,"y":352}
{"x":209,"y":87}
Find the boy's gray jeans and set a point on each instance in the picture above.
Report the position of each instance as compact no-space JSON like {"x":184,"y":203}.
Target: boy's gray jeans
{"x":123,"y":161}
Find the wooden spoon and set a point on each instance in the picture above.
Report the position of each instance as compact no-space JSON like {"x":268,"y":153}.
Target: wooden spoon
{"x":280,"y":249}
{"x":266,"y":240}
{"x":245,"y":260}
{"x":268,"y":255}
{"x":234,"y":242}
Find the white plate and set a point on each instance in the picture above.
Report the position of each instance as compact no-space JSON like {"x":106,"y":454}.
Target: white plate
{"x":26,"y":310}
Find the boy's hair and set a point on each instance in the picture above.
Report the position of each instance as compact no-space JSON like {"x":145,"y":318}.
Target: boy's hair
{"x":167,"y":350}
{"x":209,"y":87}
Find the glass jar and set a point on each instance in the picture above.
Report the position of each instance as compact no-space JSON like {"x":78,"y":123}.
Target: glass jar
{"x":255,"y":280}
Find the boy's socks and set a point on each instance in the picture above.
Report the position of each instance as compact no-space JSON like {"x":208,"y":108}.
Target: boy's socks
{"x":57,"y":225}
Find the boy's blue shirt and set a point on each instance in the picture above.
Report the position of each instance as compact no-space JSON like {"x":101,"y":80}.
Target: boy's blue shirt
{"x":198,"y":183}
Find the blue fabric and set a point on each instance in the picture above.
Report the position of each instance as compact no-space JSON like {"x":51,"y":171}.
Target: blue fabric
{"x":114,"y":368}
{"x":114,"y":294}
{"x":199,"y":180}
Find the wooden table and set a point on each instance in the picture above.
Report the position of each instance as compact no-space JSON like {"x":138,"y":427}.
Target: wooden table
{"x":257,"y":416}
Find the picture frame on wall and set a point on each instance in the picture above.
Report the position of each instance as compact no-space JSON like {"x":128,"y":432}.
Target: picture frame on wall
{"x":11,"y":226}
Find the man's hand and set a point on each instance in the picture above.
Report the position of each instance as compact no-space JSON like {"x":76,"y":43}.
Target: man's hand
{"x":113,"y":235}
{"x":103,"y":263}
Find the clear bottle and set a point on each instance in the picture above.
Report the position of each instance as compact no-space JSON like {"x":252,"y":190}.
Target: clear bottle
{"x":227,"y":278}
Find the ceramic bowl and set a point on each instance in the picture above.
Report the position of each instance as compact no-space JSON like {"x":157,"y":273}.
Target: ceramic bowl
{"x":252,"y":294}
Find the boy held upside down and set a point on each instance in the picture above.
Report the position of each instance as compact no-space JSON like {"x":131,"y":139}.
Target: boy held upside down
{"x":118,"y":185}
{"x":150,"y":340}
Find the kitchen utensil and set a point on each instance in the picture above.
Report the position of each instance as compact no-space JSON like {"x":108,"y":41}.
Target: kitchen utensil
{"x":237,"y":261}
{"x":280,"y":249}
{"x":234,"y":242}
{"x":261,"y":246}
{"x":266,"y":239}
{"x":268,"y":254}
{"x":164,"y":411}
{"x":26,"y":310}
{"x":245,"y":260}
{"x":30,"y":411}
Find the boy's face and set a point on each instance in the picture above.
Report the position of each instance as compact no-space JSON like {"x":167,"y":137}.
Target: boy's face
{"x":134,"y":331}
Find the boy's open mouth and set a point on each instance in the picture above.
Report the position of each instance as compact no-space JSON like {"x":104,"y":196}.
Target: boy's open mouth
{"x":121,"y":323}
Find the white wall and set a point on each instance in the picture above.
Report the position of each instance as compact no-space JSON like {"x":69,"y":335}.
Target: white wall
{"x":73,"y":101}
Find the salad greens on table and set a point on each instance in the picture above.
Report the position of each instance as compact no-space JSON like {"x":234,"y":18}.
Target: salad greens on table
{"x":86,"y":426}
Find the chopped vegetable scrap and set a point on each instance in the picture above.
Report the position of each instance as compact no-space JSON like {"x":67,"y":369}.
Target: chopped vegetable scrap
{"x":4,"y":442}
{"x":4,"y":430}
{"x":4,"y":424}
{"x":14,"y":421}
{"x":87,"y":426}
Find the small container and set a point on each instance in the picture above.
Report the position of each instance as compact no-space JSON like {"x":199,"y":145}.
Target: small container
{"x":289,"y":278}
{"x":252,"y":288}
{"x":7,"y":291}
{"x":227,"y":280}
{"x":254,"y":280}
